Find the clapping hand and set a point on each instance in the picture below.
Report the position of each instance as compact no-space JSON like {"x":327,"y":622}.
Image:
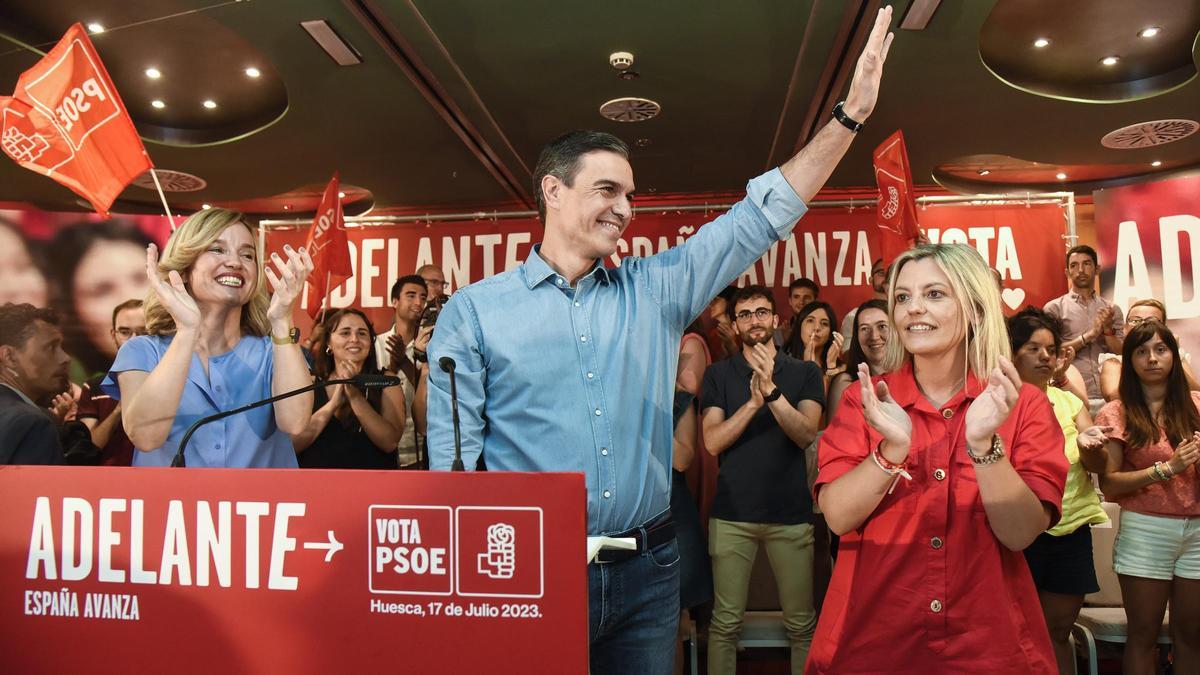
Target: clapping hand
{"x":1066,"y":356}
{"x":1185,"y":454}
{"x":993,"y":405}
{"x":885,"y":415}
{"x":172,"y":293}
{"x":763,"y":365}
{"x":837,"y":343}
{"x":287,"y":282}
{"x":63,"y":407}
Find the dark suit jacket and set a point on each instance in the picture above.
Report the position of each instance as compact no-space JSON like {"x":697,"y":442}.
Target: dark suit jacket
{"x":28,"y":435}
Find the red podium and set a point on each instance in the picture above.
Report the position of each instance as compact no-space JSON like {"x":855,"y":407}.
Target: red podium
{"x":274,"y":571}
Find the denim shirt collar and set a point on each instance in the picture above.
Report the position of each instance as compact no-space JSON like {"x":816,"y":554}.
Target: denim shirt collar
{"x":537,"y":270}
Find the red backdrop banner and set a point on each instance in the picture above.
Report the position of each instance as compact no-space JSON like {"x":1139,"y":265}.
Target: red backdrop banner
{"x":1149,"y":247}
{"x":230,"y":571}
{"x":833,"y":246}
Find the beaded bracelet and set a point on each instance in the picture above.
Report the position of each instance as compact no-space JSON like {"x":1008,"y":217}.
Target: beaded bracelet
{"x":894,"y":470}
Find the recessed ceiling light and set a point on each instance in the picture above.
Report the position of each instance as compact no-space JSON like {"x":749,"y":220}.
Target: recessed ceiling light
{"x":1041,"y":42}
{"x":341,"y":195}
{"x":1156,"y":163}
{"x":1149,"y":32}
{"x":983,"y":172}
{"x":153,"y":73}
{"x":94,"y":27}
{"x":210,"y":104}
{"x":252,"y":72}
{"x":206,"y":206}
{"x":287,"y":207}
{"x":158,"y":104}
{"x":1110,"y":60}
{"x":1060,"y":175}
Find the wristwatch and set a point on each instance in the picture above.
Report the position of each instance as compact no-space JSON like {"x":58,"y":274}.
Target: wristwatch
{"x":994,"y":454}
{"x":292,"y":338}
{"x":773,"y":396}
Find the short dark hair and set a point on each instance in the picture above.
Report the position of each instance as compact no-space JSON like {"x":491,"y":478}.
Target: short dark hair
{"x":805,"y":282}
{"x":749,"y":293}
{"x":16,"y":322}
{"x":561,"y":158}
{"x":1023,"y":324}
{"x":128,"y":304}
{"x":406,"y":279}
{"x":1084,"y":249}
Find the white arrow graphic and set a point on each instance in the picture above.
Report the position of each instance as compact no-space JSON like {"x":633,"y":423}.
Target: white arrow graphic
{"x":332,"y":547}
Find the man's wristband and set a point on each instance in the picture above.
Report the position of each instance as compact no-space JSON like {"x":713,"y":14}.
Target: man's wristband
{"x":773,"y":396}
{"x":845,"y":120}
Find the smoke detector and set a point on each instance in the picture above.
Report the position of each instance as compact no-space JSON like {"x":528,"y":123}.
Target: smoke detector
{"x":1149,"y":134}
{"x":620,"y":60}
{"x":630,"y":109}
{"x":172,"y":181}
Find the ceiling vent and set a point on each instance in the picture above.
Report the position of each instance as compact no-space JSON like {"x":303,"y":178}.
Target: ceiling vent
{"x":172,"y":181}
{"x":1149,"y":134}
{"x":630,"y":109}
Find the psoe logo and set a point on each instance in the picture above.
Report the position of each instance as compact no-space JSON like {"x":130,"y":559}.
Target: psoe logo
{"x":499,"y":551}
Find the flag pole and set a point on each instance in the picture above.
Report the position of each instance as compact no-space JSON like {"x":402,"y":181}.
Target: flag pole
{"x":325,"y":298}
{"x":163,"y":197}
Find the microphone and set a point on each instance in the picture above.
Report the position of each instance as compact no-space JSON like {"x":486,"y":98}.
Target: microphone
{"x":448,"y":366}
{"x":362,"y":381}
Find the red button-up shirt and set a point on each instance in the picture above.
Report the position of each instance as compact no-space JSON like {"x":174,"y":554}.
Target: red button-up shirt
{"x":923,"y":585}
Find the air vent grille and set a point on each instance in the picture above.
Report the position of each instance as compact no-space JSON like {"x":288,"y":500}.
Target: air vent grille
{"x":630,"y":109}
{"x":172,"y":181}
{"x":1149,"y":134}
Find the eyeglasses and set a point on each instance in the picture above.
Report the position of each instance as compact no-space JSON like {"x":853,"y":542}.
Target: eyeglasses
{"x":760,"y":313}
{"x":130,"y":332}
{"x":1135,"y":322}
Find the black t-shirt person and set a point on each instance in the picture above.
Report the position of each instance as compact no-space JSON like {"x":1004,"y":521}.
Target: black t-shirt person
{"x":763,"y":478}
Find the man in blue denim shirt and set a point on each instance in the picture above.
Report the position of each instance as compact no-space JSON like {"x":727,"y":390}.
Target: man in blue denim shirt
{"x":566,"y":365}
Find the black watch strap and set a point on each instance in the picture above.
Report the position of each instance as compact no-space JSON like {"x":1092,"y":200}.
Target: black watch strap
{"x":845,"y":120}
{"x":773,"y":396}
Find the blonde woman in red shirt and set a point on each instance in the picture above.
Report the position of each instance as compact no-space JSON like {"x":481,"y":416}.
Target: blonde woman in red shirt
{"x":1150,"y":470}
{"x":937,"y":475}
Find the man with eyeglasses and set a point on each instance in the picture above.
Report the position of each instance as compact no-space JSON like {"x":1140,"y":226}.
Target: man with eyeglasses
{"x":761,"y":408}
{"x":97,"y":410}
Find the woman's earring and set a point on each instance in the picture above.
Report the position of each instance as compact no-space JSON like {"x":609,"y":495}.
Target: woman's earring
{"x":328,"y":350}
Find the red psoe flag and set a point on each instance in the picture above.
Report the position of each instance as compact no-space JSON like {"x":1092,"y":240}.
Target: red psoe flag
{"x":66,"y":121}
{"x":330,"y":250}
{"x":897,"y":207}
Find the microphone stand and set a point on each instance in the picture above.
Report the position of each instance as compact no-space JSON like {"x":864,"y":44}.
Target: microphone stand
{"x":372,"y":381}
{"x":448,"y":365}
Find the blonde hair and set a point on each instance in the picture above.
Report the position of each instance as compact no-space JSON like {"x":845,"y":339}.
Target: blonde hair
{"x":974,"y":287}
{"x":186,"y":244}
{"x":1149,"y":302}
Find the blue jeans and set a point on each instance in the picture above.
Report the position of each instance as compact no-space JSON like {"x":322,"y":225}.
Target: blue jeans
{"x":633,"y":613}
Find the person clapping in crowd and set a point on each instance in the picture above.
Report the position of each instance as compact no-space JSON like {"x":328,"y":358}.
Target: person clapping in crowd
{"x":1149,"y":468}
{"x":815,"y":339}
{"x":1110,"y":364}
{"x":1060,"y":559}
{"x":868,"y":338}
{"x":217,"y":340}
{"x":350,"y":429}
{"x":936,"y":475}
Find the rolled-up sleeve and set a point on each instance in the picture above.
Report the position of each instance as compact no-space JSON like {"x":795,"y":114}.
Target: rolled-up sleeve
{"x":685,"y":278}
{"x":1036,"y":450}
{"x":458,"y":336}
{"x":845,"y":442}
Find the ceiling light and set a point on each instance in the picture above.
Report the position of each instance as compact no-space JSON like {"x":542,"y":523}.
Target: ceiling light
{"x":94,"y":27}
{"x":341,"y":195}
{"x":206,"y":206}
{"x":1060,"y":175}
{"x":1149,"y":32}
{"x":1041,"y":42}
{"x":338,"y":49}
{"x":287,"y":207}
{"x":210,"y":104}
{"x":153,"y":73}
{"x":1156,"y":163}
{"x":983,"y":172}
{"x":252,"y":72}
{"x":1110,"y":60}
{"x":158,"y":104}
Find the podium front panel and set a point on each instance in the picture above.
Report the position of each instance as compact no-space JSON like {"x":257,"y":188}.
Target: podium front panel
{"x":259,"y":571}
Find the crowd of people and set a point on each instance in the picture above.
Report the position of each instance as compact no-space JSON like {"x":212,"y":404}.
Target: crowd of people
{"x":951,"y":459}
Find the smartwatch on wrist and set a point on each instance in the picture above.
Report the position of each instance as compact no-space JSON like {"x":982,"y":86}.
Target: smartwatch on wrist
{"x":773,"y":396}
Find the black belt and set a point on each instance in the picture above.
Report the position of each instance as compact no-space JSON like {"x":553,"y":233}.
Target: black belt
{"x":648,"y":537}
